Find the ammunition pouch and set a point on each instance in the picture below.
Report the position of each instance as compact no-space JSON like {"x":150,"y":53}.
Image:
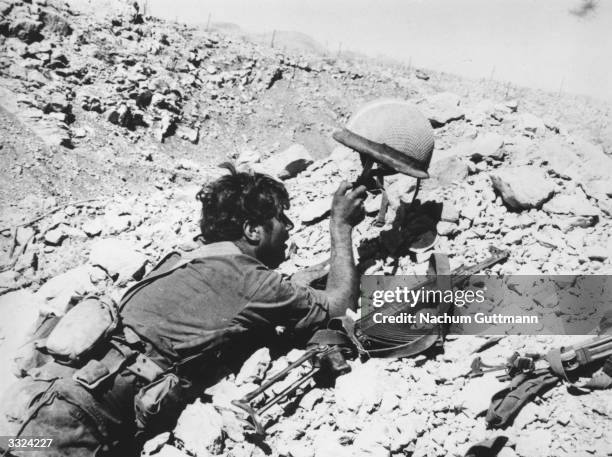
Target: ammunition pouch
{"x":95,"y":372}
{"x":162,"y":394}
{"x":158,"y":404}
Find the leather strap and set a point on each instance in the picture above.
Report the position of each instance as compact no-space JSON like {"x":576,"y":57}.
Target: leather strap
{"x":439,"y":264}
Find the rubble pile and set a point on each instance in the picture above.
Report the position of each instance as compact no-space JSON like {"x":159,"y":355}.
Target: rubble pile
{"x":501,"y":175}
{"x":136,"y":74}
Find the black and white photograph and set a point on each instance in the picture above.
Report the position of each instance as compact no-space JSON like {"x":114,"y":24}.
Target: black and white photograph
{"x":305,"y":228}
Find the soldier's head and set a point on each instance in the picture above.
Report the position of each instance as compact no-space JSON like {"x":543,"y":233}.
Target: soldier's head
{"x":248,"y":208}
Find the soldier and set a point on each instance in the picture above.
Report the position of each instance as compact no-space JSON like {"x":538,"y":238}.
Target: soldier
{"x":195,"y":318}
{"x":189,"y":322}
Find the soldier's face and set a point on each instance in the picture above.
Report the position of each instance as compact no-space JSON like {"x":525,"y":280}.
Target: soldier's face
{"x":273,"y":243}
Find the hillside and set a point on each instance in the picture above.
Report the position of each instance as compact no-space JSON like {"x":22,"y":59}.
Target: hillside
{"x":110,"y":123}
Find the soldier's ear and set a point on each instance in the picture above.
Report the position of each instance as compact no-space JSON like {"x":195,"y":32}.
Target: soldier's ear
{"x":252,"y":232}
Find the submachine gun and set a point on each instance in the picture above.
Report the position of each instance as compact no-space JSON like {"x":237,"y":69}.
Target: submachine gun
{"x":380,"y":340}
{"x":328,"y":351}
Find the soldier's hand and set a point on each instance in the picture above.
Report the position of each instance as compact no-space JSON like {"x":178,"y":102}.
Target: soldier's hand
{"x":347,"y":206}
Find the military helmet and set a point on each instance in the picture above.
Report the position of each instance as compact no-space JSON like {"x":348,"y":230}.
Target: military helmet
{"x":391,"y":132}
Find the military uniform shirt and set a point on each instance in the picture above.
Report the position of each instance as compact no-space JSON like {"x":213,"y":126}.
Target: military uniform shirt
{"x":228,"y":299}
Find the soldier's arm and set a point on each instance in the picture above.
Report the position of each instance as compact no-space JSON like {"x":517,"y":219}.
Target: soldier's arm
{"x":343,"y":280}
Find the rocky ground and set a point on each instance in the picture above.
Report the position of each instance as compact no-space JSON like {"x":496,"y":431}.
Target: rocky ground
{"x":110,"y":124}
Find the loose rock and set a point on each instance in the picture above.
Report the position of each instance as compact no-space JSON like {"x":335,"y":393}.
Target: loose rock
{"x":315,"y":211}
{"x":576,"y":204}
{"x":92,"y":227}
{"x":476,"y":395}
{"x":443,"y":108}
{"x":531,"y":124}
{"x":298,"y":449}
{"x":488,"y":145}
{"x":200,"y":429}
{"x":55,"y":237}
{"x":522,"y":187}
{"x":445,"y":172}
{"x":599,"y":252}
{"x":289,"y":162}
{"x":248,"y":156}
{"x":254,"y":369}
{"x":118,"y":258}
{"x":534,"y":443}
{"x":189,"y":134}
{"x":57,"y":293}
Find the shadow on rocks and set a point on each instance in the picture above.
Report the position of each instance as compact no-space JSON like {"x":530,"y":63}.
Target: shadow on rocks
{"x":413,"y":230}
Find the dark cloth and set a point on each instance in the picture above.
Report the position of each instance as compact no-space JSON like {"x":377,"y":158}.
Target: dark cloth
{"x":219,"y":307}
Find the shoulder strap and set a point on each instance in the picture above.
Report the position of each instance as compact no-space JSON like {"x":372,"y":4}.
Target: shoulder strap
{"x":439,"y":265}
{"x":209,"y":250}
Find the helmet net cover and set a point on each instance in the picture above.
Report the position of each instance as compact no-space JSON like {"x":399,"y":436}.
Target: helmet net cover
{"x":398,"y":124}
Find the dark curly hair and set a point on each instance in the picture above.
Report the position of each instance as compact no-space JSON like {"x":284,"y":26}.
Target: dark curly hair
{"x":236,"y":198}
